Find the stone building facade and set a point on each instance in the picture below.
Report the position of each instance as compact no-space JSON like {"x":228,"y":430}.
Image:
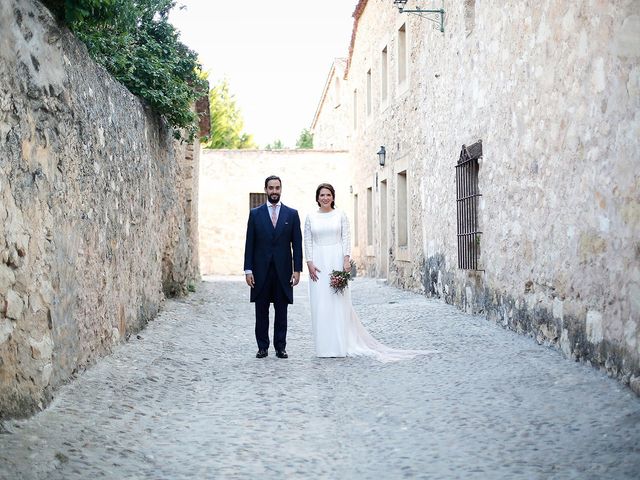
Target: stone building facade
{"x":98,"y":210}
{"x":232,"y":181}
{"x":331,"y":117}
{"x":543,"y":102}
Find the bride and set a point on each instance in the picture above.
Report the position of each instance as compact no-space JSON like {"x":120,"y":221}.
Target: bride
{"x":337,"y":330}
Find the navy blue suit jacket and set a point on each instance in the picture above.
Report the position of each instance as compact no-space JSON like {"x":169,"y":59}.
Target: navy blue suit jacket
{"x":282,"y":244}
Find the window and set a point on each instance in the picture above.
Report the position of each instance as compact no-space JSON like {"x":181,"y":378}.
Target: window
{"x":369,"y":216}
{"x":403,"y":231}
{"x":257,"y":199}
{"x":355,"y":220}
{"x":383,"y":75}
{"x":336,"y":93}
{"x":355,"y":109}
{"x":402,"y":54}
{"x":369,"y":92}
{"x":467,"y":206}
{"x":383,"y":215}
{"x":469,"y":15}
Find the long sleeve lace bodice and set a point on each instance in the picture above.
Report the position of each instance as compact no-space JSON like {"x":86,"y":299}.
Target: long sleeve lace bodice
{"x":345,"y":234}
{"x":326,"y":229}
{"x":308,"y":241}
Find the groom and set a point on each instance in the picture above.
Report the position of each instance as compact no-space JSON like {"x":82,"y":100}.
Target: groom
{"x":273,"y":232}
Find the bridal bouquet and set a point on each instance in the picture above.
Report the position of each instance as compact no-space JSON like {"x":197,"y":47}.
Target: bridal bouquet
{"x":338,"y":280}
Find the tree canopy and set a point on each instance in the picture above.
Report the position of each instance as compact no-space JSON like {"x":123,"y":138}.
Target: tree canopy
{"x":135,"y":42}
{"x":276,"y":145}
{"x":226,"y":120}
{"x":305,"y":140}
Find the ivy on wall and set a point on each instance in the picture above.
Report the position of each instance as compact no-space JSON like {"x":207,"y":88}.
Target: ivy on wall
{"x":135,"y":42}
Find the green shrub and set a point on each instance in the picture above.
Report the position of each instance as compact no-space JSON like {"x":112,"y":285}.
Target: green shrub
{"x":136,"y":43}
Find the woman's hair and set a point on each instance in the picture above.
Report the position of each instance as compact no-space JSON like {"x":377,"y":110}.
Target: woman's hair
{"x":328,"y":187}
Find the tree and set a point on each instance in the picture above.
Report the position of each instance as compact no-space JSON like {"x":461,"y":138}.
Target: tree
{"x":305,"y":140}
{"x":71,"y":11}
{"x":136,"y":43}
{"x":226,"y":120}
{"x":277,"y":145}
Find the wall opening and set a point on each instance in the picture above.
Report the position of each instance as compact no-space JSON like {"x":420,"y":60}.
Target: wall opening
{"x":257,"y":199}
{"x":369,"y":106}
{"x":384,"y":87}
{"x":370,"y":216}
{"x":403,"y":231}
{"x":467,"y":196}
{"x":384,"y":241}
{"x":469,"y":15}
{"x":355,"y":109}
{"x":402,"y":54}
{"x":355,"y":220}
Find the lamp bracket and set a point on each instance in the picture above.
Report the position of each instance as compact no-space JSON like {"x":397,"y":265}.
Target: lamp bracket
{"x":433,"y":15}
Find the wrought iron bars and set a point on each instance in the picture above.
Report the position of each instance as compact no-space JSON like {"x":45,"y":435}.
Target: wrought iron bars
{"x":467,"y":206}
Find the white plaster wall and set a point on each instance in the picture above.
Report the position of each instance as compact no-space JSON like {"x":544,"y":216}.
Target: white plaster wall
{"x":227,"y":177}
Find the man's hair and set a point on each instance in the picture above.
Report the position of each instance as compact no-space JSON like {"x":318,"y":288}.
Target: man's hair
{"x":271,"y":177}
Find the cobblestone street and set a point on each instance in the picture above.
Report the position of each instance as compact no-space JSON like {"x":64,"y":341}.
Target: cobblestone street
{"x":188,"y":400}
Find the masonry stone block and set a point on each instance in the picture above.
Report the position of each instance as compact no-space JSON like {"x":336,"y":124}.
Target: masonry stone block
{"x":557,"y":309}
{"x":6,"y":327}
{"x":14,"y":305}
{"x":41,"y":349}
{"x":565,"y":343}
{"x":625,"y":42}
{"x":630,"y":333}
{"x":47,"y":372}
{"x":594,"y":326}
{"x":634,"y":383}
{"x":7,"y":277}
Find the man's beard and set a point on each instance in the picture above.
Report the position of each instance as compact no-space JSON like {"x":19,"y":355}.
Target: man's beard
{"x":274,"y":198}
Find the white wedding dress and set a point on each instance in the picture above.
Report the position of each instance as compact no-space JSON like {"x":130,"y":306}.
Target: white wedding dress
{"x":337,"y":330}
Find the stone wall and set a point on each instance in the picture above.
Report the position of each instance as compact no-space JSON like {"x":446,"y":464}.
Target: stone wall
{"x":553,"y":92}
{"x":96,"y":223}
{"x":228,"y":177}
{"x":329,"y":120}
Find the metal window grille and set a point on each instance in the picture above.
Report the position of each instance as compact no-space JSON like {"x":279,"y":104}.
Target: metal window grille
{"x":467,"y":206}
{"x":257,"y":199}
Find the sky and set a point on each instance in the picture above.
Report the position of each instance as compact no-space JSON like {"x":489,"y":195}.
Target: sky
{"x":276,"y":56}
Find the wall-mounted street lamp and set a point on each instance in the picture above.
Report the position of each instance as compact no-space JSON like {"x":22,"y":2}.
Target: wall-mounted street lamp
{"x":382,"y":154}
{"x":422,"y":12}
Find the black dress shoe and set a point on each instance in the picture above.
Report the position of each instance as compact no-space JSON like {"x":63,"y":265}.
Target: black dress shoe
{"x":281,"y":354}
{"x":262,"y":353}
